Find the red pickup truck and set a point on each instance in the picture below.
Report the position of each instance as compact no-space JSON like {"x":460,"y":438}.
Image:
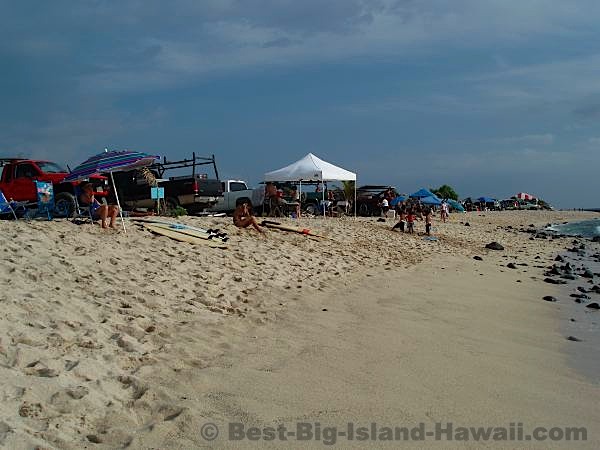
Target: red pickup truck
{"x":17,"y":182}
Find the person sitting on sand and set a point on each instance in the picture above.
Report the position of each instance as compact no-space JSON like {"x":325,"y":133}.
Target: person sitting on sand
{"x":401,"y":220}
{"x":99,"y":210}
{"x":243,"y":218}
{"x":428,"y":220}
{"x":410,"y":221}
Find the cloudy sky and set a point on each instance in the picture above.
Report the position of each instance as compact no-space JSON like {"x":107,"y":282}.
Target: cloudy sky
{"x":489,"y":96}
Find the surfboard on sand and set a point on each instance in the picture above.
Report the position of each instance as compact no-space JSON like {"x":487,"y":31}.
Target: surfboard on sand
{"x":191,"y":232}
{"x":181,"y":226}
{"x":279,"y":226}
{"x":183,"y":237}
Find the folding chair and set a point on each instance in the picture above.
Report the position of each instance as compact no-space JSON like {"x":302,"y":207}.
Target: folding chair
{"x":45,"y":200}
{"x":82,"y":212}
{"x":12,"y":208}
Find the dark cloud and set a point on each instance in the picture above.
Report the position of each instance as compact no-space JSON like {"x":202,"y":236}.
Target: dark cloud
{"x":78,"y":76}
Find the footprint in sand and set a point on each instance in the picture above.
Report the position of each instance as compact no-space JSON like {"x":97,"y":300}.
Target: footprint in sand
{"x":64,"y":401}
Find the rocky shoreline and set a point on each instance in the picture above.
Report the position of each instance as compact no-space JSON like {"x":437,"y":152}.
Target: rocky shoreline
{"x":575,"y":274}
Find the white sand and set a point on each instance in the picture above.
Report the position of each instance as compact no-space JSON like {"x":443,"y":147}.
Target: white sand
{"x":110,"y":339}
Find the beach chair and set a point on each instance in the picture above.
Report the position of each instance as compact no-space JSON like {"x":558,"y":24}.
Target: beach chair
{"x":11,"y":208}
{"x":45,"y":200}
{"x":82,"y":212}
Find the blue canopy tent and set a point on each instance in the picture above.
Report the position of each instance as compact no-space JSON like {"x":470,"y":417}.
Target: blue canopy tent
{"x":399,"y":199}
{"x":422,"y":193}
{"x":431,"y":200}
{"x":456,"y":205}
{"x":486,"y":200}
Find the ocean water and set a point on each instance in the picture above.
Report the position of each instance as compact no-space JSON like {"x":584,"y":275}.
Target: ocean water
{"x":585,"y":228}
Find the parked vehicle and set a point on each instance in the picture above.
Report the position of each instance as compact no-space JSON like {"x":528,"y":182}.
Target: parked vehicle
{"x":368,"y":199}
{"x":19,"y":176}
{"x":193,"y":192}
{"x":236,"y":192}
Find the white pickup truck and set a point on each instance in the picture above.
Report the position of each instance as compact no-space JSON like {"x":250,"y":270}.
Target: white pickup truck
{"x":236,"y":192}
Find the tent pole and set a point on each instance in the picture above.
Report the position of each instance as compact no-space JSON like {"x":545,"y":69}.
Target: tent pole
{"x":355,"y":199}
{"x":112,"y":177}
{"x":300,"y":200}
{"x":323,"y":192}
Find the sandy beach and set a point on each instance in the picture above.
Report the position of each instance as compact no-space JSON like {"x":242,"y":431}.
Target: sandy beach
{"x":115,"y":340}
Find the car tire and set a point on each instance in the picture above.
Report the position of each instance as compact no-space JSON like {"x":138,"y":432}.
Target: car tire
{"x":311,"y":208}
{"x":64,"y":204}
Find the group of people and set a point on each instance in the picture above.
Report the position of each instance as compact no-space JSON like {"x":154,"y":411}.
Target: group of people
{"x":408,"y":215}
{"x":276,"y":203}
{"x":411,"y":210}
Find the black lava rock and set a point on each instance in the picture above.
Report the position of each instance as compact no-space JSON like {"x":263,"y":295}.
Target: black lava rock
{"x":568,"y":276}
{"x":587,"y":297}
{"x":478,"y":258}
{"x":554,"y":281}
{"x":596,"y":239}
{"x":494,"y":246}
{"x":559,"y":259}
{"x":467,"y":224}
{"x":581,"y":289}
{"x":593,"y":305}
{"x":554,"y":271}
{"x":511,"y":266}
{"x":549,"y":298}
{"x":587,"y":273}
{"x":574,"y":339}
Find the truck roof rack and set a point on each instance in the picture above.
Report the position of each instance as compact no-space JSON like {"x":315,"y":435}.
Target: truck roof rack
{"x":162,"y":167}
{"x":10,"y":160}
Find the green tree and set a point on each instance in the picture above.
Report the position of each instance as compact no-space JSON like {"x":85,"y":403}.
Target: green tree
{"x":445,"y":191}
{"x":349,"y":190}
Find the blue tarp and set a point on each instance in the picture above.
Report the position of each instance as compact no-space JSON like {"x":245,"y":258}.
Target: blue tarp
{"x":431,"y":200}
{"x":486,"y":199}
{"x":421,"y":193}
{"x":397,"y":200}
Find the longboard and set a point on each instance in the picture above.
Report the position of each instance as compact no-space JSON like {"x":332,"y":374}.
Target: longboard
{"x":190,"y":232}
{"x":279,"y":226}
{"x":181,"y":226}
{"x":183,"y":237}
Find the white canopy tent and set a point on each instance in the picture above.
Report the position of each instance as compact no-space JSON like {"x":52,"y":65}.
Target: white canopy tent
{"x":312,"y":168}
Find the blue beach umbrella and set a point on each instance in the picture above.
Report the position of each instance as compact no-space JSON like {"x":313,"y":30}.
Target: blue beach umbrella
{"x":399,"y":199}
{"x":112,"y":161}
{"x":431,"y":200}
{"x":486,"y":200}
{"x":422,"y":193}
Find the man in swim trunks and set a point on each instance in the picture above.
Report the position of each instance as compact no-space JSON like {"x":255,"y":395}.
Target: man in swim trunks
{"x":243,"y":218}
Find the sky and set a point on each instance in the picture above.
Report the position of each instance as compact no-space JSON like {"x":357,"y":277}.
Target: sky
{"x":492,"y":97}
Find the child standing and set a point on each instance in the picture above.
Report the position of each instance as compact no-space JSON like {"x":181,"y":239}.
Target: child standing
{"x":428,"y":219}
{"x":410,"y":221}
